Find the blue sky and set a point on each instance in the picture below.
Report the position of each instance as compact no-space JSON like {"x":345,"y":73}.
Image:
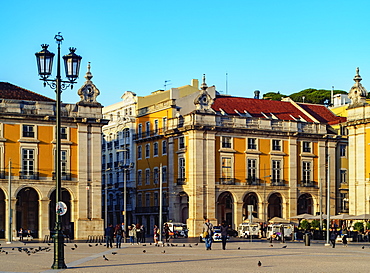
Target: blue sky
{"x":281,"y":46}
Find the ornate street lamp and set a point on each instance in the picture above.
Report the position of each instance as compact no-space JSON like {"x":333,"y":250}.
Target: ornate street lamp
{"x":72,"y":65}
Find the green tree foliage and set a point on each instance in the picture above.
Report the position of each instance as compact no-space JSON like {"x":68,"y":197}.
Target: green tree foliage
{"x":305,"y":224}
{"x":359,"y":226}
{"x":315,"y":224}
{"x":310,"y":95}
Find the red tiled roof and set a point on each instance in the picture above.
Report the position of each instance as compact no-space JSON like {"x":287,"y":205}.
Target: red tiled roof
{"x":11,"y":91}
{"x":281,"y":109}
{"x":321,"y":113}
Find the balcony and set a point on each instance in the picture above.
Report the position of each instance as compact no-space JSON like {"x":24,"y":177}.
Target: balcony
{"x":277,"y":183}
{"x":149,"y":134}
{"x":227,"y":181}
{"x":65,"y":176}
{"x":252,"y":181}
{"x":307,"y":184}
{"x":28,"y":175}
{"x":181,"y":181}
{"x":109,"y":165}
{"x":154,"y":209}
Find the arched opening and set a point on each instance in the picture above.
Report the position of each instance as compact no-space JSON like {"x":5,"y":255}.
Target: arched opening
{"x":27,"y":211}
{"x":250,"y":199}
{"x":225,"y":208}
{"x":305,"y":204}
{"x":2,"y":214}
{"x":184,"y":206}
{"x":274,"y":206}
{"x":67,"y":225}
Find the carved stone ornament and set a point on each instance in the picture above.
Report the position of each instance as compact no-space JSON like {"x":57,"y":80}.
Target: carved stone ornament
{"x":203,"y":101}
{"x":358,"y":93}
{"x":88,"y":92}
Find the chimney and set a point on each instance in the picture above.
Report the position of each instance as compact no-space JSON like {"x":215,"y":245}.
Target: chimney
{"x":257,"y":94}
{"x":195,"y":83}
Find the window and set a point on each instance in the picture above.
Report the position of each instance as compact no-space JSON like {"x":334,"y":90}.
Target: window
{"x":156,"y":176}
{"x":127,"y":175}
{"x":156,"y":126}
{"x":306,"y":148}
{"x":63,"y":133}
{"x":182,"y":168}
{"x":164,"y":123}
{"x":147,"y":150}
{"x":63,"y":163}
{"x":276,"y":145}
{"x":139,"y":152}
{"x":181,"y":142}
{"x":252,"y":171}
{"x":147,"y":177}
{"x":164,"y":174}
{"x":28,"y":163}
{"x":139,"y":177}
{"x":306,"y":172}
{"x":164,"y":147}
{"x":343,"y":176}
{"x":140,"y":131}
{"x":139,"y":200}
{"x":226,"y":168}
{"x":252,"y":143}
{"x":155,"y":149}
{"x":147,"y":128}
{"x":127,"y":153}
{"x":226,"y":142}
{"x":276,"y":171}
{"x":147,"y":199}
{"x":345,"y":202}
{"x":28,"y":131}
{"x":156,"y":199}
{"x":342,"y":150}
{"x":127,"y":131}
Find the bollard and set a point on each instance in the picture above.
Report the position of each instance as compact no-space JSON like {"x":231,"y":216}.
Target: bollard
{"x":307,"y":239}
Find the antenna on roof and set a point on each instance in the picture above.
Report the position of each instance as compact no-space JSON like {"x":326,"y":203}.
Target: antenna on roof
{"x":165,"y":84}
{"x":332,"y":96}
{"x":226,"y":83}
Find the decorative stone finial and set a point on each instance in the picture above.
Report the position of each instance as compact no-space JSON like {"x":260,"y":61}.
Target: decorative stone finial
{"x":88,"y":75}
{"x":358,"y":93}
{"x":204,"y":85}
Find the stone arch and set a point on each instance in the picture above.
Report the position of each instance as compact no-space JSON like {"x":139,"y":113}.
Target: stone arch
{"x":183,"y":200}
{"x":275,"y":205}
{"x":66,"y":197}
{"x":225,"y":208}
{"x":251,"y":198}
{"x":27,"y":210}
{"x":2,"y":214}
{"x":305,"y":204}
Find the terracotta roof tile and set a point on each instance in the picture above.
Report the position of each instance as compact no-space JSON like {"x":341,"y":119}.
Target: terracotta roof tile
{"x":281,"y":109}
{"x":11,"y":91}
{"x":321,"y":113}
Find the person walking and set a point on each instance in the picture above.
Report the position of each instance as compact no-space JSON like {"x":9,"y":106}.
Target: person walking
{"x":333,"y":236}
{"x":142,"y":228}
{"x":132,"y":233}
{"x":344,"y":240}
{"x":156,"y":234}
{"x":138,"y":233}
{"x":224,"y":228}
{"x":207,"y":234}
{"x":166,"y":231}
{"x":20,"y":232}
{"x":118,"y":234}
{"x":123,"y":232}
{"x":109,"y":233}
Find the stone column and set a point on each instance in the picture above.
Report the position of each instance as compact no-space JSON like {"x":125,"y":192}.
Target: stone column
{"x":291,"y":204}
{"x":44,"y":217}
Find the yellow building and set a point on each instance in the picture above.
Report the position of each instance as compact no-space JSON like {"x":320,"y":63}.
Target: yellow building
{"x":224,"y":153}
{"x":27,"y":147}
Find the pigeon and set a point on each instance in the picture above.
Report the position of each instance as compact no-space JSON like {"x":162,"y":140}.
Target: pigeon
{"x":90,"y":245}
{"x":6,"y":252}
{"x":13,"y":248}
{"x":271,"y":245}
{"x":144,"y":244}
{"x":114,"y":253}
{"x":75,"y":246}
{"x":190,"y":245}
{"x":239,"y":248}
{"x":284,"y":246}
{"x":100,"y":243}
{"x":150,"y":243}
{"x":65,"y":245}
{"x":48,"y":244}
{"x":96,"y":244}
{"x":196,"y":244}
{"x":259,"y":263}
{"x":363,"y":247}
{"x":144,"y":251}
{"x":183,"y":245}
{"x":164,"y":251}
{"x":105,"y":258}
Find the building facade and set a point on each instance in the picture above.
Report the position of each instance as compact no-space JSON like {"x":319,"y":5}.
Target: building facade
{"x":118,"y":160}
{"x":27,"y":148}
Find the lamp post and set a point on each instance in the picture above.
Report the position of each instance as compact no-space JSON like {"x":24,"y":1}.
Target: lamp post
{"x":72,"y":65}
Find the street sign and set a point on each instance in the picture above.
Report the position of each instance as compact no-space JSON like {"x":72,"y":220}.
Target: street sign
{"x":61,"y":208}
